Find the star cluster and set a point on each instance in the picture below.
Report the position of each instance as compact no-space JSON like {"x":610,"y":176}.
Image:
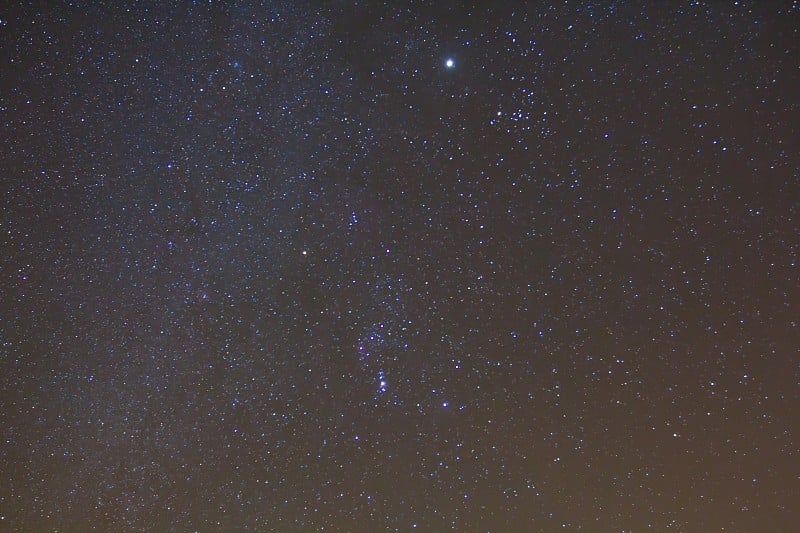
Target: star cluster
{"x":423,"y":265}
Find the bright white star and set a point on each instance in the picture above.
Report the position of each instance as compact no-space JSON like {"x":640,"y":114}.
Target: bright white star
{"x":449,"y":63}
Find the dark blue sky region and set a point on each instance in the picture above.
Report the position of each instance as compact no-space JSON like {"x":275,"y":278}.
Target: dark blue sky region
{"x":413,"y":265}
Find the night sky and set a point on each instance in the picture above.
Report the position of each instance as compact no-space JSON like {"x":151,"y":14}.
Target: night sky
{"x":373,"y":267}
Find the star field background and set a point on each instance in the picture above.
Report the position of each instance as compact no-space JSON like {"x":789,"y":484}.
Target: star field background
{"x":283,"y":267}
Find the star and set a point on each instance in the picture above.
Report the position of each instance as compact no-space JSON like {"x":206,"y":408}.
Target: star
{"x":450,"y":63}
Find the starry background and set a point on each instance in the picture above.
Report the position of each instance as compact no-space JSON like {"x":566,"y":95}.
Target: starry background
{"x":384,"y":267}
